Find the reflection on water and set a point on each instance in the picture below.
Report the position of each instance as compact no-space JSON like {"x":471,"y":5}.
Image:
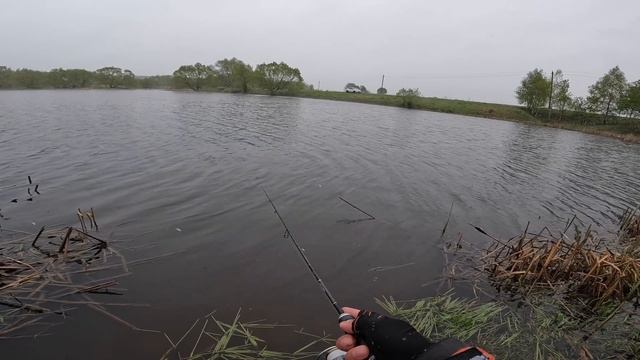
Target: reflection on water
{"x":153,"y":161}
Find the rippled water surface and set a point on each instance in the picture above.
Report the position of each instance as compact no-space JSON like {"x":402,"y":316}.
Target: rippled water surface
{"x":171,"y":171}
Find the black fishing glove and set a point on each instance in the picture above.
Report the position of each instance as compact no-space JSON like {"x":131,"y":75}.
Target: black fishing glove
{"x":388,"y":338}
{"x":393,"y":339}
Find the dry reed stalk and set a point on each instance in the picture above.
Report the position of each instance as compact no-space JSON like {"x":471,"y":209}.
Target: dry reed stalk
{"x":544,"y":261}
{"x":37,"y":277}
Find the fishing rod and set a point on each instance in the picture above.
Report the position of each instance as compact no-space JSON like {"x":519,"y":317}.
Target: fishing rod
{"x":341,"y":316}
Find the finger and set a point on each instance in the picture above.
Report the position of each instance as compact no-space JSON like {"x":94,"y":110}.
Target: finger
{"x":351,"y":311}
{"x":346,"y":342}
{"x":360,"y":352}
{"x":347,"y":326}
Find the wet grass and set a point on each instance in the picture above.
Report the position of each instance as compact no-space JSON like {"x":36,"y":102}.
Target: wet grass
{"x":617,"y":127}
{"x":541,"y":328}
{"x":210,"y":338}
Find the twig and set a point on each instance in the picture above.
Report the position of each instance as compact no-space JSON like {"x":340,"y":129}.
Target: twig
{"x":357,"y":208}
{"x":33,"y":243}
{"x":63,"y":246}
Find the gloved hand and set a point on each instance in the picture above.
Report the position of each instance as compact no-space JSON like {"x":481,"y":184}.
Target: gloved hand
{"x":384,"y":337}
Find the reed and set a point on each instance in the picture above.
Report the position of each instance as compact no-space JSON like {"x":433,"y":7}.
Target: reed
{"x":629,"y":232}
{"x":52,"y":273}
{"x":583,"y":265}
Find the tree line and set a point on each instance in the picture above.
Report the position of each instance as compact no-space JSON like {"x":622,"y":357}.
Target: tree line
{"x":610,"y":96}
{"x":232,"y":75}
{"x":107,"y":77}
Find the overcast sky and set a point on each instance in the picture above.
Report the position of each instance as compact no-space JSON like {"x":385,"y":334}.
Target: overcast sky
{"x":469,"y":49}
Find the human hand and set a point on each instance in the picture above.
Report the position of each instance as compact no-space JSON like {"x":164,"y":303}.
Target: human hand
{"x":374,"y":334}
{"x":348,"y":342}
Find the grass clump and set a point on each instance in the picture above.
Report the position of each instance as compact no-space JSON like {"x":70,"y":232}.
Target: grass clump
{"x":443,"y":316}
{"x":537,"y":329}
{"x":233,"y":341}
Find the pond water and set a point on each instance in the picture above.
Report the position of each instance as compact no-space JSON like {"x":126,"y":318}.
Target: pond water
{"x":184,"y":172}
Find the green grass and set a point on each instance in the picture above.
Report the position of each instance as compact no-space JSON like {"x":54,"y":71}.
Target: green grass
{"x":622,"y":128}
{"x":541,"y":328}
{"x":236,"y":340}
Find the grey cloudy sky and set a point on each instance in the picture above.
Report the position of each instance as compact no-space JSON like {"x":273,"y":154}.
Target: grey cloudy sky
{"x":469,"y":49}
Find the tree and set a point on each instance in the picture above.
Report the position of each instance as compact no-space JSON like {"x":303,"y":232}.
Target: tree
{"x":630,"y":101}
{"x":561,"y":96}
{"x":234,"y":74}
{"x":69,"y":78}
{"x":29,"y":79}
{"x":79,"y":78}
{"x":381,"y":91}
{"x":109,"y":76}
{"x":363,"y":89}
{"x":409,"y":97}
{"x":5,"y":77}
{"x":128,"y":79}
{"x":605,"y":94}
{"x":114,"y":77}
{"x":193,"y":76}
{"x":279,"y":77}
{"x":579,"y":104}
{"x":533,"y":91}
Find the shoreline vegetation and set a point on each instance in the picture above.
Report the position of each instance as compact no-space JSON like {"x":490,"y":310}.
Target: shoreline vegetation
{"x":612,"y":108}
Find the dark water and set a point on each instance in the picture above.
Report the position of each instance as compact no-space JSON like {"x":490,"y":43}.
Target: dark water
{"x":153,"y":162}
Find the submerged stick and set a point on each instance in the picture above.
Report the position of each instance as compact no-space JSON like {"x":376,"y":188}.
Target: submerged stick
{"x":93,"y":217}
{"x":357,"y":208}
{"x":33,"y":243}
{"x":63,"y":246}
{"x":446,"y":224}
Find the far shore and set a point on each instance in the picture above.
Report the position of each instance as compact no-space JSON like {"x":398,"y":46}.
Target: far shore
{"x":625,"y":129}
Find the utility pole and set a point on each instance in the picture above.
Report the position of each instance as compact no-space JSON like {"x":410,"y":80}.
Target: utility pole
{"x":382,"y":85}
{"x":550,"y":96}
{"x":318,"y":85}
